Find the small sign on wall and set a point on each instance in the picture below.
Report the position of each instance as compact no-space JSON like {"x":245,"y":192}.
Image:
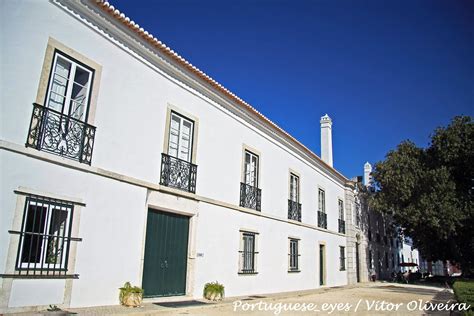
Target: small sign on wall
{"x":199,"y":254}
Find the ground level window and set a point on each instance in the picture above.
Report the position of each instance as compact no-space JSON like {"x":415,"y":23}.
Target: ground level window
{"x":342,"y":258}
{"x":45,"y":235}
{"x":294,"y":255}
{"x":248,"y":253}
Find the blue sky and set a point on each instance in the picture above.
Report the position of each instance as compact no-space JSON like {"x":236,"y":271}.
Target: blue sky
{"x":385,"y":71}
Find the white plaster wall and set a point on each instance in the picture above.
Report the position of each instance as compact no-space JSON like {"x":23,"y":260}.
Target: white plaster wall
{"x":131,"y":116}
{"x":130,"y":122}
{"x":218,"y":239}
{"x":111,"y":224}
{"x":32,"y":292}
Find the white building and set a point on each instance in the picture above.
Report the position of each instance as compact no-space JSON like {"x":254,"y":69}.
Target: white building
{"x":386,"y":250}
{"x":139,"y":167}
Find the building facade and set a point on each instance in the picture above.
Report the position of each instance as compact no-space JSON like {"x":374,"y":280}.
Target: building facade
{"x":121,"y":162}
{"x":387,"y":251}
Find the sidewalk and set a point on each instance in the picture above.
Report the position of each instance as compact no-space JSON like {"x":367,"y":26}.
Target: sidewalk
{"x":379,"y":291}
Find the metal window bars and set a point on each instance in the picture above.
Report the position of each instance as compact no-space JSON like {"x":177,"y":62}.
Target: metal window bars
{"x":44,"y":239}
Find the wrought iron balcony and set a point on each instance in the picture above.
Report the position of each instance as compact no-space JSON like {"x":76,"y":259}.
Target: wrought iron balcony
{"x":59,"y":134}
{"x":342,"y":226}
{"x":177,"y":173}
{"x":250,"y":196}
{"x":322,"y":220}
{"x":294,"y":210}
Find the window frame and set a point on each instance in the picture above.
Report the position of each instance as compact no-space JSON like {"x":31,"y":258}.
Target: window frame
{"x":183,"y":119}
{"x":242,"y":252}
{"x":292,"y":188}
{"x":340,"y":206}
{"x":342,"y":258}
{"x":358,"y":219}
{"x":66,"y":106}
{"x":45,"y":235}
{"x":321,"y":200}
{"x":54,"y":46}
{"x":293,"y":255}
{"x":251,"y":155}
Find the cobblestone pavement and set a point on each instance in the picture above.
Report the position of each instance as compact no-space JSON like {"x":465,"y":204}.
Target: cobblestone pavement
{"x":364,"y":299}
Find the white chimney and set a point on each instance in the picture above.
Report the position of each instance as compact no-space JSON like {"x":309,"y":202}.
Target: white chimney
{"x":326,"y":139}
{"x":367,"y":174}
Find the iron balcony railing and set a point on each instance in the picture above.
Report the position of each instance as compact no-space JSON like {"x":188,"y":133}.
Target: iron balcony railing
{"x":60,"y":134}
{"x":177,"y":173}
{"x":294,"y":210}
{"x":322,"y":220}
{"x":342,"y":226}
{"x":250,"y":196}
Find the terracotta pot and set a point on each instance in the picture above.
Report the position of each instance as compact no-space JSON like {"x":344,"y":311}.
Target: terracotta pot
{"x":132,"y":299}
{"x":214,"y":296}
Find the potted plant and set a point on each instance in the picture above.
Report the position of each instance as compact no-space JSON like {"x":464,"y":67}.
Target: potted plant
{"x":214,"y":291}
{"x":130,"y":296}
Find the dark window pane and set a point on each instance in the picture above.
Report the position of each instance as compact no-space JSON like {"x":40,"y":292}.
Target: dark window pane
{"x":32,"y":242}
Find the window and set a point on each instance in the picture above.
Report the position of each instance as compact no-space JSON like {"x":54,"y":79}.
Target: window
{"x":247,"y":258}
{"x":250,"y":194}
{"x":341,"y":222}
{"x":294,"y":256}
{"x":45,"y":235}
{"x":342,"y":258}
{"x":386,"y":260}
{"x":177,"y":169}
{"x":60,"y":126}
{"x":180,"y":139}
{"x":371,"y":261}
{"x":393,"y":260}
{"x":341,"y":209}
{"x":294,"y":188}
{"x":69,"y":87}
{"x":357,"y":215}
{"x":321,"y":201}
{"x":251,"y":169}
{"x":294,"y":207}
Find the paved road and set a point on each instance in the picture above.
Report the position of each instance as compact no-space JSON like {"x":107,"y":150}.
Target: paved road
{"x":363,"y":299}
{"x":369,"y":299}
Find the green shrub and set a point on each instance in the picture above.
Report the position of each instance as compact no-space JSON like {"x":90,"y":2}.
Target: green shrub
{"x":464,"y":293}
{"x":213,"y":291}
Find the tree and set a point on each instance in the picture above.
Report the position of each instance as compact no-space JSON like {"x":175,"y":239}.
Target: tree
{"x":429,"y":192}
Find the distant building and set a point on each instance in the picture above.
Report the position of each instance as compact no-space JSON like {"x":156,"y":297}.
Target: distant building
{"x":386,"y":252}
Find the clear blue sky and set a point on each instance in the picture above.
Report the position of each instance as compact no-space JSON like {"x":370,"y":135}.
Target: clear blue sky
{"x":385,"y":71}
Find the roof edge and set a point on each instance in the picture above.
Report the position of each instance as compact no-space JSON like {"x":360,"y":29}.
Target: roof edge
{"x":110,"y":10}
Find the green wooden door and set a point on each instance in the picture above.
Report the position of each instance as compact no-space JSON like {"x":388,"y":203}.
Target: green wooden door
{"x":166,"y":252}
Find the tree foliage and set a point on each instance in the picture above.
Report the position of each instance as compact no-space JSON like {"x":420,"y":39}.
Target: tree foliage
{"x":429,"y":192}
